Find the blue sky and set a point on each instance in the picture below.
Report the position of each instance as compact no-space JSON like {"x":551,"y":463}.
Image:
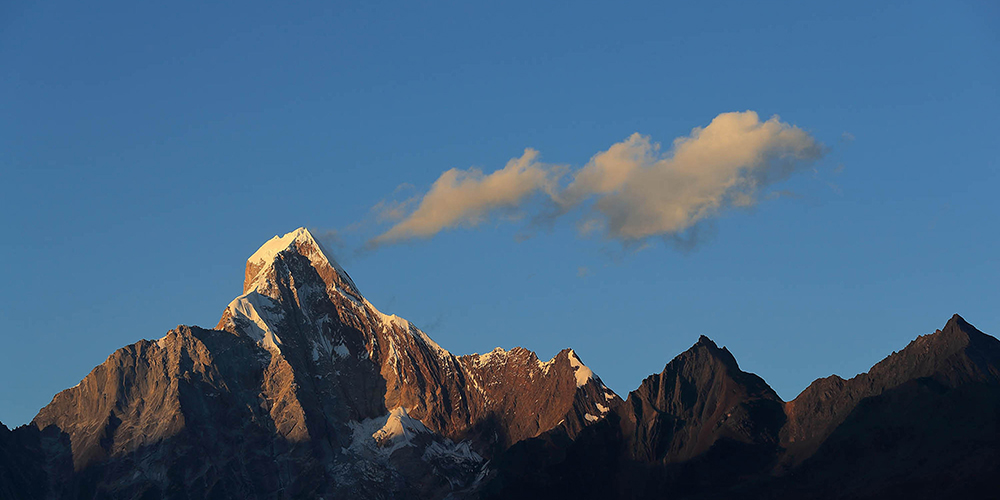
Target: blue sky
{"x":146,"y":151}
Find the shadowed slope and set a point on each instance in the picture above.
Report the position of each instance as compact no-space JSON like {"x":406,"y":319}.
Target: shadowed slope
{"x":701,"y":396}
{"x":957,"y":355}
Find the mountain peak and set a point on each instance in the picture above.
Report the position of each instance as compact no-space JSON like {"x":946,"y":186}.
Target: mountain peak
{"x":703,"y":340}
{"x":299,"y":241}
{"x":958,"y":323}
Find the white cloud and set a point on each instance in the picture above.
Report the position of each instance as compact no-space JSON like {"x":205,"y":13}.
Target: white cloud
{"x":467,"y":197}
{"x":644,"y":193}
{"x":637,"y":190}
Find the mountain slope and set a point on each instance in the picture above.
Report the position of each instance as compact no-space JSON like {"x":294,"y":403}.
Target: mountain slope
{"x":957,"y":355}
{"x":922,"y":423}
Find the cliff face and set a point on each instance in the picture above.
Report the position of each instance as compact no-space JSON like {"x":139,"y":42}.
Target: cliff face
{"x":701,"y":397}
{"x":305,"y":389}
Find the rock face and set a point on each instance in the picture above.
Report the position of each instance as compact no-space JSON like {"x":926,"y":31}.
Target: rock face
{"x":305,"y":390}
{"x":700,"y":398}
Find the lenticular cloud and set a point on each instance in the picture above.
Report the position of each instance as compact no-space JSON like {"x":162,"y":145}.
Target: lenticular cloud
{"x":632,"y":190}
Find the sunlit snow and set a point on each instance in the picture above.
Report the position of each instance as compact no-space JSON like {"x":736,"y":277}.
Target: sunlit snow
{"x":583,"y":374}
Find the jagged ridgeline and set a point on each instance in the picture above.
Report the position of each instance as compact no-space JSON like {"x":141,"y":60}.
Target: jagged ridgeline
{"x":305,"y":390}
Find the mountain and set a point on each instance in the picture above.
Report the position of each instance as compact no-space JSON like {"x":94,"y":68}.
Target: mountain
{"x":699,"y":425}
{"x":305,"y":390}
{"x":928,"y":417}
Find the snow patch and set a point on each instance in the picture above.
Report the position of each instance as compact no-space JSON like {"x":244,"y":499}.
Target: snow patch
{"x":456,"y":462}
{"x":448,"y":448}
{"x":341,"y":350}
{"x":590,"y":418}
{"x":544,"y":366}
{"x":583,"y":374}
{"x":604,"y":409}
{"x":322,"y":347}
{"x":609,"y":396}
{"x":387,"y":433}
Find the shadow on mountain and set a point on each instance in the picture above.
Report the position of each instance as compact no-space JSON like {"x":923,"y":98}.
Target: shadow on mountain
{"x":31,"y":460}
{"x":922,"y":439}
{"x":553,"y":465}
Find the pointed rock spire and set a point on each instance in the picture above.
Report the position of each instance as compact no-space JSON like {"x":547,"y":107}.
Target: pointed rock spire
{"x":302,"y":242}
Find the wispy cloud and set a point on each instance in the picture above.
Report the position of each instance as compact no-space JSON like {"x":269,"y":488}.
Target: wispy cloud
{"x":468,"y":197}
{"x":392,"y":210}
{"x":631,"y":191}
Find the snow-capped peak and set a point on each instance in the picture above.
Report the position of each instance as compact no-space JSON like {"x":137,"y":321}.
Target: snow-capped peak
{"x":300,"y":241}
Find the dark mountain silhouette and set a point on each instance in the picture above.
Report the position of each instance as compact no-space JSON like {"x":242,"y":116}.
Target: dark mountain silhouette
{"x":305,"y":390}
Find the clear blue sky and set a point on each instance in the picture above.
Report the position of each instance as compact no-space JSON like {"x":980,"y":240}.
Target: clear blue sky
{"x":147,"y":151}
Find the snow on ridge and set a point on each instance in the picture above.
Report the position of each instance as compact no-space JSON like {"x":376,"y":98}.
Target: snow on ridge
{"x":583,"y":374}
{"x":267,"y":252}
{"x":251,"y":313}
{"x":545,"y":365}
{"x":484,"y":359}
{"x":409,"y":327}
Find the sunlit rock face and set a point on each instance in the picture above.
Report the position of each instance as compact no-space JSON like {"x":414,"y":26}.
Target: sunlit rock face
{"x":305,"y":390}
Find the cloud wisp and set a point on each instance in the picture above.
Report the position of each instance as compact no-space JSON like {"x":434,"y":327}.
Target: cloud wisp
{"x":630,"y":191}
{"x":468,"y":197}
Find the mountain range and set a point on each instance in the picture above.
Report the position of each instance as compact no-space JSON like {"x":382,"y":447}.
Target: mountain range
{"x":305,"y":390}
